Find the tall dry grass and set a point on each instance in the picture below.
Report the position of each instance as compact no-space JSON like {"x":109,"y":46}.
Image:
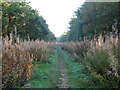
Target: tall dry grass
{"x":17,"y":58}
{"x":39,"y":50}
{"x":16,"y":64}
{"x":99,"y":56}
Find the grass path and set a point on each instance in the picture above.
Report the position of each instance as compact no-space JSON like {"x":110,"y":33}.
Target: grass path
{"x":61,"y":72}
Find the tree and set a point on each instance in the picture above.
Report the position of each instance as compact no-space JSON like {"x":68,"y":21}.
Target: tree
{"x":93,"y":19}
{"x":27,"y":21}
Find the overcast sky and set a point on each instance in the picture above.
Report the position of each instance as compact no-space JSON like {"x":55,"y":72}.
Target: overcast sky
{"x":57,"y":13}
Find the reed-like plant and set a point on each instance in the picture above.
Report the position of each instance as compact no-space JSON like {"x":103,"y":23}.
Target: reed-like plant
{"x":17,"y":57}
{"x":16,"y":64}
{"x":39,"y":50}
{"x":100,"y":55}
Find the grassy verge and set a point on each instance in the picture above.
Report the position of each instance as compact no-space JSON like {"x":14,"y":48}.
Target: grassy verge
{"x":45,"y":75}
{"x":40,"y":77}
{"x":78,"y":75}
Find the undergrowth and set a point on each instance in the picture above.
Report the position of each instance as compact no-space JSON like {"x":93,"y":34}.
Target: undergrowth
{"x":99,"y":56}
{"x":18,"y":56}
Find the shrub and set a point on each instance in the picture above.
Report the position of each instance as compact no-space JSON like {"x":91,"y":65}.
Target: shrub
{"x":98,"y":61}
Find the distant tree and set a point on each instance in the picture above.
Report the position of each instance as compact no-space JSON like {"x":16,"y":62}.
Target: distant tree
{"x":64,"y":37}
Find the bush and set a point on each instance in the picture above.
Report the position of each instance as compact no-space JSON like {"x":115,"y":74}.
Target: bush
{"x":98,"y":61}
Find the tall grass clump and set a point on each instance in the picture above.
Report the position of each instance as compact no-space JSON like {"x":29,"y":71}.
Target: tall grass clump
{"x":18,"y":56}
{"x":39,"y":50}
{"x":103,"y":59}
{"x":99,"y":56}
{"x":78,"y":48}
{"x":16,"y":64}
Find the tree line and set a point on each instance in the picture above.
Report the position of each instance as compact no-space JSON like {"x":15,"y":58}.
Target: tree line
{"x":92,"y":19}
{"x":26,"y":21}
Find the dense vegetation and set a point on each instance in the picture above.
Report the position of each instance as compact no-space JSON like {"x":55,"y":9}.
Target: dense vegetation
{"x":22,"y":41}
{"x":17,"y":59}
{"x":99,"y":57}
{"x":21,"y":19}
{"x":86,"y":57}
{"x":91,"y":20}
{"x":93,"y":39}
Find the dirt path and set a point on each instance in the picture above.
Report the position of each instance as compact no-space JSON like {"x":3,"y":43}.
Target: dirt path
{"x":63,"y":71}
{"x":53,"y":75}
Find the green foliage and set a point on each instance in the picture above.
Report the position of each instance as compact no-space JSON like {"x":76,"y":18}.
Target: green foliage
{"x":25,"y":20}
{"x":100,"y":57}
{"x":79,"y":76}
{"x":64,"y":37}
{"x":93,"y":19}
{"x":98,"y":61}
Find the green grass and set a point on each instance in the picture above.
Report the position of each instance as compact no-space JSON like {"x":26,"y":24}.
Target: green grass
{"x":78,"y":75}
{"x":45,"y":75}
{"x":40,"y":77}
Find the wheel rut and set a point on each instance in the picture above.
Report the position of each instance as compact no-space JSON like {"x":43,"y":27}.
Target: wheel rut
{"x":63,"y":71}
